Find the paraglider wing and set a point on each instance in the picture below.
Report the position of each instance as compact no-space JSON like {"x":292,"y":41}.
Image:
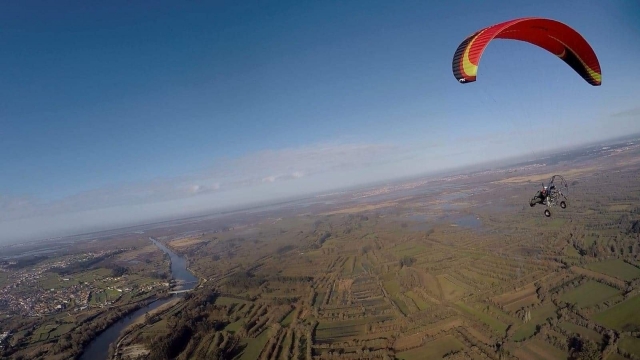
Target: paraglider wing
{"x":551,"y":35}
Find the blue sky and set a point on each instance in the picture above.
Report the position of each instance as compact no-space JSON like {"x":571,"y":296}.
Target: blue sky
{"x":119,"y":112}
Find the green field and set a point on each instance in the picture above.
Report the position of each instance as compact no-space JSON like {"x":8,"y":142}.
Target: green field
{"x":319,"y":298}
{"x":229,"y":301}
{"x":450,"y":289}
{"x":615,"y":356}
{"x":357,"y":269}
{"x":472,"y":254}
{"x":3,"y":279}
{"x":408,"y":250}
{"x":254,"y":346}
{"x":630,"y":344}
{"x":421,"y":304}
{"x":234,"y":326}
{"x":337,"y":329}
{"x":616,"y":268}
{"x":556,"y":223}
{"x":392,"y":287}
{"x":92,"y":275}
{"x":159,"y":327}
{"x":540,"y":350}
{"x":340,"y":332}
{"x":348,"y":265}
{"x":63,"y":329}
{"x":502,"y":315}
{"x":142,"y":281}
{"x":589,"y":294}
{"x":401,"y":305}
{"x":538,"y":316}
{"x":100,"y":297}
{"x":42,"y":333}
{"x":624,"y":316}
{"x":50,"y":330}
{"x":571,"y":251}
{"x":289,"y":318}
{"x":583,"y":331}
{"x":49,"y":281}
{"x":589,"y":240}
{"x":433,"y":350}
{"x":619,"y":207}
{"x":497,"y":325}
{"x":286,"y":343}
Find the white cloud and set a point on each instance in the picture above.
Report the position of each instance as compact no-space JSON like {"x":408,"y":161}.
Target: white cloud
{"x":194,"y":189}
{"x":634,"y":112}
{"x":256,"y":177}
{"x":202,"y":188}
{"x":16,"y":207}
{"x":289,"y":171}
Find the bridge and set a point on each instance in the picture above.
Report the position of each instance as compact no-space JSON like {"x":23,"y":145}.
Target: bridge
{"x":179,"y":291}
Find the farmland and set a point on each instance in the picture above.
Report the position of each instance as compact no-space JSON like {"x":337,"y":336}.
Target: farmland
{"x":433,"y":350}
{"x":589,"y":294}
{"x":459,"y":267}
{"x":624,"y":316}
{"x":616,"y":268}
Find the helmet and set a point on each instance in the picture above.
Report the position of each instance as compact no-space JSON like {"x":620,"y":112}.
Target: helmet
{"x":545,"y":187}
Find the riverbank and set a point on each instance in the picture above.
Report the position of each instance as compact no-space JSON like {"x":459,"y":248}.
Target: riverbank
{"x":99,"y":347}
{"x":138,"y":324}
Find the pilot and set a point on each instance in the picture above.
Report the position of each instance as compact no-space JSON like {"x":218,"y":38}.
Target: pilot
{"x":540,"y":197}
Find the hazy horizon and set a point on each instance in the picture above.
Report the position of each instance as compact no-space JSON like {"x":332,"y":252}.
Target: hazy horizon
{"x":117,"y":113}
{"x":68,"y":231}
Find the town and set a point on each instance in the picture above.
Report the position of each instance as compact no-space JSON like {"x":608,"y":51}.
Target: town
{"x":43,"y":290}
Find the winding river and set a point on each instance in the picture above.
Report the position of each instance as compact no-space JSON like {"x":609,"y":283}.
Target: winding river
{"x":99,"y":347}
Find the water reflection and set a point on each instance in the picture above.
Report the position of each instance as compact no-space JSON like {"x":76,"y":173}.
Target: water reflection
{"x":98,"y":348}
{"x":469,"y":221}
{"x":179,"y":270}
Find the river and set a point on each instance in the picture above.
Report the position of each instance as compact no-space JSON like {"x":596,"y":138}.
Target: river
{"x":99,"y":347}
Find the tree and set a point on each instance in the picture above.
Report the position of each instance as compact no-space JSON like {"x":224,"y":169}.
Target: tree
{"x":583,"y":349}
{"x":407,"y":261}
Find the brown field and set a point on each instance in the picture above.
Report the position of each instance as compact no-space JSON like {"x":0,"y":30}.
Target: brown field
{"x":140,"y":253}
{"x":413,"y":340}
{"x":530,"y":300}
{"x":544,"y":177}
{"x":430,"y":284}
{"x":450,"y":290}
{"x":362,"y":208}
{"x":433,"y":350}
{"x":538,"y":350}
{"x":186,"y":242}
{"x":514,"y":300}
{"x":134,"y":352}
{"x":478,"y":335}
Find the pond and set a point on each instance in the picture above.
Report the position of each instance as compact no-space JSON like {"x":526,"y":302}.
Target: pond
{"x":469,"y":221}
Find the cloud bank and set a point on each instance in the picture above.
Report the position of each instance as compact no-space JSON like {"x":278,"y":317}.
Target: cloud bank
{"x":255,"y":177}
{"x":258,"y":177}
